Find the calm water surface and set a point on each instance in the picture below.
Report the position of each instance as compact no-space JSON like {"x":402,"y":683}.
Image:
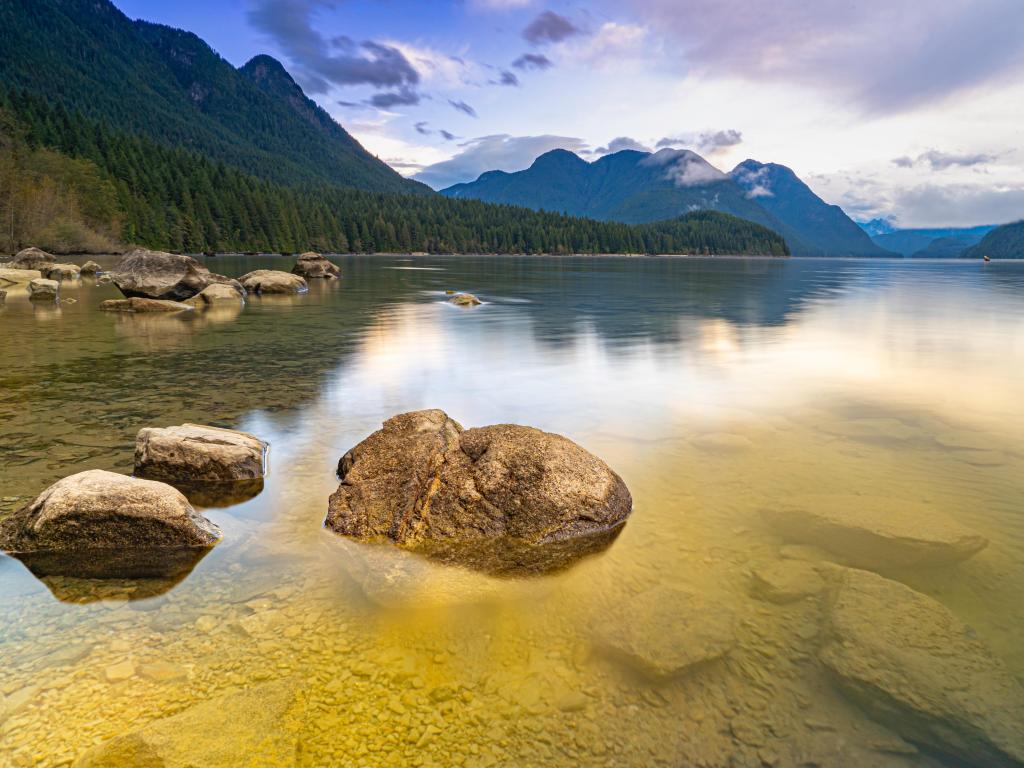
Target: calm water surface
{"x":716,"y":388}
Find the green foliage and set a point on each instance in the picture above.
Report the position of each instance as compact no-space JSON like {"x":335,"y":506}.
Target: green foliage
{"x":178,"y":200}
{"x":1005,"y":242}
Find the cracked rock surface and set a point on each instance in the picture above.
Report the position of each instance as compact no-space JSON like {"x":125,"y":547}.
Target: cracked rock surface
{"x":424,"y":481}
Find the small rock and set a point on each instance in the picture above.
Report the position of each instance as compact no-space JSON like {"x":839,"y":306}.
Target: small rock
{"x":464,"y":300}
{"x":267,"y":281}
{"x":138,"y":304}
{"x":91,"y":268}
{"x":42,"y":289}
{"x":195,"y":453}
{"x":163,"y":672}
{"x":123,"y":670}
{"x":61,"y":272}
{"x":219,"y":293}
{"x":9,"y":276}
{"x":206,"y":624}
{"x":312,"y":265}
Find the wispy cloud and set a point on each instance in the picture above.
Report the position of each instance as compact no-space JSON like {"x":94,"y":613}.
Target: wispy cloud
{"x":463,"y":107}
{"x":620,"y":143}
{"x":707,"y":142}
{"x":549,"y":27}
{"x":940,"y":161}
{"x":532,"y":61}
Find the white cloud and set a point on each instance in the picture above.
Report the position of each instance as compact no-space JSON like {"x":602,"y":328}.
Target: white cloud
{"x":685,"y":168}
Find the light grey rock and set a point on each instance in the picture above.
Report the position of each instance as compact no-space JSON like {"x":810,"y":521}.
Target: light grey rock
{"x":269,"y":281}
{"x":158,"y":275}
{"x":61,"y":272}
{"x":12,"y":276}
{"x":916,"y":668}
{"x":192,"y":453}
{"x":876,"y":532}
{"x":32,"y":258}
{"x":219,"y":293}
{"x":312,"y":266}
{"x":42,"y":289}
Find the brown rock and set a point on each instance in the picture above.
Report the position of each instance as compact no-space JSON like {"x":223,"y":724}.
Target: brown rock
{"x":91,"y":268}
{"x":191,"y":453}
{"x":464,"y":300}
{"x":32,"y":258}
{"x":219,"y":293}
{"x":265,"y":281}
{"x":786,"y":582}
{"x":919,"y":670}
{"x":136,"y":304}
{"x":13,"y":276}
{"x":422,"y":480}
{"x":313,"y":265}
{"x":158,"y":275}
{"x":876,"y":532}
{"x":61,"y":272}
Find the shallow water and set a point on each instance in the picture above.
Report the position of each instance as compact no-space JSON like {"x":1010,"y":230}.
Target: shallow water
{"x":715,"y":388}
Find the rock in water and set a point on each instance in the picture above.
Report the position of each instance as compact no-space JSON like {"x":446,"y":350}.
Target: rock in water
{"x":219,"y":293}
{"x":916,"y":668}
{"x":12,"y":276}
{"x":786,"y":582}
{"x":3,"y":297}
{"x":313,"y":265}
{"x":666,"y":631}
{"x":264,"y":281}
{"x":876,"y":532}
{"x":157,"y":275}
{"x":465,"y":300}
{"x":91,"y":268}
{"x":424,"y":482}
{"x":136,"y":304}
{"x":242,"y":728}
{"x":62,"y":272}
{"x":32,"y":258}
{"x":98,"y":510}
{"x":193,"y":453}
{"x":41,"y":289}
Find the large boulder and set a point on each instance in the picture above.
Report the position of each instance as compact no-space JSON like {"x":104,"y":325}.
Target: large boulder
{"x":219,"y":293}
{"x":265,"y":281}
{"x":915,"y":667}
{"x":424,"y":482}
{"x":98,"y":510}
{"x":62,"y":272}
{"x":241,"y":728}
{"x":41,"y":289}
{"x":32,"y":258}
{"x":193,"y":453}
{"x":313,"y":265}
{"x":136,"y":304}
{"x":157,"y":275}
{"x":876,"y":532}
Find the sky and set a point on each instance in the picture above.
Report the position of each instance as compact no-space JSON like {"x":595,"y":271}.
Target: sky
{"x":902,"y":109}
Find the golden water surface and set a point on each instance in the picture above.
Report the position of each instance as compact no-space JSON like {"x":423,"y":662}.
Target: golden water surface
{"x":715,"y":388}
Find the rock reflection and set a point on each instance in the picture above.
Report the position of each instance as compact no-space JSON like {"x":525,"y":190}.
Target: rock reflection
{"x":220,"y":495}
{"x":89,"y":576}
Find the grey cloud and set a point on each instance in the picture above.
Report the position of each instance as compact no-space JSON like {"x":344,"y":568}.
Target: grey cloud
{"x":321,"y":63}
{"x":940,"y":161}
{"x":497,"y":152}
{"x":707,"y":143}
{"x":549,"y":27}
{"x":958,"y":205}
{"x":508,"y":78}
{"x":463,"y":107}
{"x":620,"y":143}
{"x":421,"y":128}
{"x":885,"y":55}
{"x":448,"y":136}
{"x":532,"y":61}
{"x":388,"y":99}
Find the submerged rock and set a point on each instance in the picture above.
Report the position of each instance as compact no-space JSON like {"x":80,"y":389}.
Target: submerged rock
{"x":62,"y":272}
{"x":193,"y":453}
{"x":91,"y":268}
{"x":313,"y":265}
{"x":786,"y":582}
{"x":42,"y":289}
{"x":104,"y":511}
{"x":666,"y":631}
{"x":264,"y":281}
{"x":464,"y":300}
{"x":876,"y":532}
{"x":919,"y":670}
{"x":136,"y":304}
{"x":241,"y":728}
{"x":32,"y":258}
{"x":425,"y":483}
{"x":3,"y":297}
{"x":158,"y":275}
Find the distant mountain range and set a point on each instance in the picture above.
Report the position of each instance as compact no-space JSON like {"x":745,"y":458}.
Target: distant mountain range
{"x":169,"y":85}
{"x":946,"y":242}
{"x":634,"y":187}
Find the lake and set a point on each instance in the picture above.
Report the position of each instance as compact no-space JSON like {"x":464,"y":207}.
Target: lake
{"x":717,"y":389}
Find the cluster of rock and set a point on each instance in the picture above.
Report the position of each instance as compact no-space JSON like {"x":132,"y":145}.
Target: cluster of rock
{"x":42,"y":274}
{"x":99,"y":524}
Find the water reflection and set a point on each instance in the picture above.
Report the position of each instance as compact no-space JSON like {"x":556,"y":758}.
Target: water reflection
{"x":716,"y":389}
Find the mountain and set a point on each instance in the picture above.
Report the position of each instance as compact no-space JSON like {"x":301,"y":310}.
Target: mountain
{"x":918,"y":242}
{"x":634,"y":187}
{"x":147,"y":79}
{"x":1005,"y":242}
{"x":823,"y":229}
{"x":877,"y":227}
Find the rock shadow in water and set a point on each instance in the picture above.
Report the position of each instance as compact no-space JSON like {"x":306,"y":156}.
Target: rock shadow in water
{"x":219,"y":495}
{"x":88,"y":576}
